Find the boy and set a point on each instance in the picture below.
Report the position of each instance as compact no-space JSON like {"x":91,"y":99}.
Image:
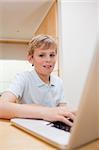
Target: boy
{"x":37,"y":93}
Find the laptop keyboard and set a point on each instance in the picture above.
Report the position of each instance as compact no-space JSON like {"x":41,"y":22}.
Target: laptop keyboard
{"x":61,"y":125}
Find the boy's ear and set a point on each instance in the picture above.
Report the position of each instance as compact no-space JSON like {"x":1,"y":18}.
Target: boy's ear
{"x":30,"y":58}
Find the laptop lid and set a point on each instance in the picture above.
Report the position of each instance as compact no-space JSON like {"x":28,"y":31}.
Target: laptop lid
{"x":86,"y":126}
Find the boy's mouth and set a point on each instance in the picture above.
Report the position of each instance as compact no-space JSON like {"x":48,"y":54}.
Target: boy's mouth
{"x":47,"y":66}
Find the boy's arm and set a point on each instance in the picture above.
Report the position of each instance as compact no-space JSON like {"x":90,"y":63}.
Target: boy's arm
{"x":10,"y":109}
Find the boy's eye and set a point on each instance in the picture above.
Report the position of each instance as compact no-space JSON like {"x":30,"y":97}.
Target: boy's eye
{"x":41,"y":55}
{"x":52,"y":55}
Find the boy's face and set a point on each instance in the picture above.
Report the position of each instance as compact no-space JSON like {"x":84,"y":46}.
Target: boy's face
{"x":44,"y":60}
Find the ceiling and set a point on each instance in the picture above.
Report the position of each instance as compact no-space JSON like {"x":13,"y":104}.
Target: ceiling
{"x":19,"y":19}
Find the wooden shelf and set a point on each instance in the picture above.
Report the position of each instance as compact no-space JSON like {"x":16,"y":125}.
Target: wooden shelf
{"x":15,"y":41}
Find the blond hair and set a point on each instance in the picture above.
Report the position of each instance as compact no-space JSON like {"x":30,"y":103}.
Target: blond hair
{"x":41,"y":41}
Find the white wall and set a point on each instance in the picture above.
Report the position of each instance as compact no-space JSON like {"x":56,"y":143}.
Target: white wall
{"x":77,"y":34}
{"x":98,"y":57}
{"x":12,"y":61}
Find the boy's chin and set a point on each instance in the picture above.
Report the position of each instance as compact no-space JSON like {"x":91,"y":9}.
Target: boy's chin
{"x":48,"y":72}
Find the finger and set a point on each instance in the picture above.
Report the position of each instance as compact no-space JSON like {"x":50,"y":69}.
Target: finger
{"x":70,"y":116}
{"x":65,"y":120}
{"x":68,"y":122}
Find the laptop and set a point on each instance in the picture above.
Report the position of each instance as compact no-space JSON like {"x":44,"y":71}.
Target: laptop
{"x":86,"y":125}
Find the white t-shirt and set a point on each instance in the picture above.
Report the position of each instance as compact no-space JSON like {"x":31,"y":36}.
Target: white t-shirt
{"x":29,"y":88}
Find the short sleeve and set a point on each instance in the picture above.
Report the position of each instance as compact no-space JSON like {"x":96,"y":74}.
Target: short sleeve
{"x":17,"y":86}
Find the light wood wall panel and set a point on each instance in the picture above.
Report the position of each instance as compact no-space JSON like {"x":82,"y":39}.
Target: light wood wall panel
{"x":49,"y":24}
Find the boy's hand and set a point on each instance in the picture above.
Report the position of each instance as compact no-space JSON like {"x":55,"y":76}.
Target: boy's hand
{"x":60,"y":113}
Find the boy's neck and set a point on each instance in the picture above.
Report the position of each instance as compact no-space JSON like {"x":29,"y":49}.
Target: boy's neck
{"x":45,"y":79}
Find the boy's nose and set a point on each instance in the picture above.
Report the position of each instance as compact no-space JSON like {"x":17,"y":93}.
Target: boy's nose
{"x":48,"y":58}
